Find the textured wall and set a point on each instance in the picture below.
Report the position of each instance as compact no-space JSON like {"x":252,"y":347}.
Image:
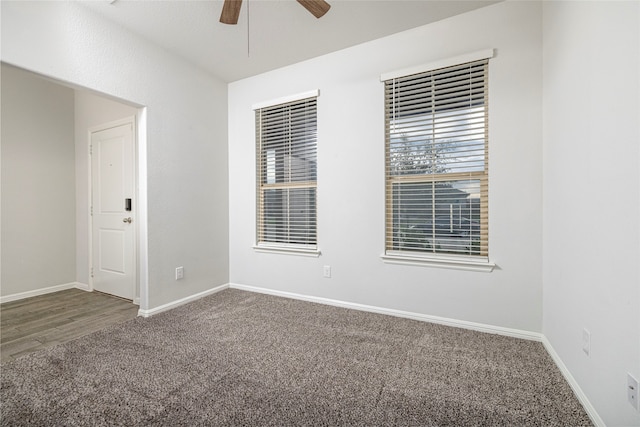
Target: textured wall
{"x":592,"y":196}
{"x":38,"y":180}
{"x":351,"y":174}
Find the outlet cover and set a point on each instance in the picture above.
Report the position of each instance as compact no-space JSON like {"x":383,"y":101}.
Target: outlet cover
{"x":632,"y":391}
{"x":326,"y":271}
{"x":586,"y":341}
{"x":179,"y":273}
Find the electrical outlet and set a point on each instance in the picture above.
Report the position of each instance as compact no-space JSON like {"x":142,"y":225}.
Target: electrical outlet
{"x":586,"y":341}
{"x":326,"y":271}
{"x":179,"y":273}
{"x":632,"y":391}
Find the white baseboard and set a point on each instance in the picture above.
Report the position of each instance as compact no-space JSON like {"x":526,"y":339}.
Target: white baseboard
{"x":177,"y":303}
{"x":82,"y":286}
{"x":41,"y":291}
{"x":517,"y":333}
{"x":586,"y":404}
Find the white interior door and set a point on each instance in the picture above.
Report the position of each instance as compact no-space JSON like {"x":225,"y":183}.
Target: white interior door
{"x":113,"y":210}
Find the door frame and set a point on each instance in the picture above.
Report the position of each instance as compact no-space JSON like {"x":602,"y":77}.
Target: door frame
{"x":140,"y":260}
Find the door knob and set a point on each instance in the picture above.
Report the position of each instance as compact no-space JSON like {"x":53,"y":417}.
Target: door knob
{"x":127,"y":220}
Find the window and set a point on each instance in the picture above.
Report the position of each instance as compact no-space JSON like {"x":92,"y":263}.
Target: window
{"x":436,"y":163}
{"x":286,"y":138}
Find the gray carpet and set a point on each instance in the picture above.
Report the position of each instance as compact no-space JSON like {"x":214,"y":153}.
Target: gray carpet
{"x":243,"y":359}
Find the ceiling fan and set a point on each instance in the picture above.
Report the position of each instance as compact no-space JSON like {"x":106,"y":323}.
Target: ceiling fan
{"x":231,"y":9}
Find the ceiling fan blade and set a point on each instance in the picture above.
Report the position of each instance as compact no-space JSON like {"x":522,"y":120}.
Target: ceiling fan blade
{"x":317,"y":7}
{"x":230,"y":11}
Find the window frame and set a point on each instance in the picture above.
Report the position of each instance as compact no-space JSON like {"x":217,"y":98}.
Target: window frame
{"x":404,"y":256}
{"x":261,"y":245}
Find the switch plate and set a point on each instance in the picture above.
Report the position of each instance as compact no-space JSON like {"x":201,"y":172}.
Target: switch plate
{"x":632,"y":391}
{"x":326,"y":271}
{"x":179,"y":273}
{"x":586,"y":341}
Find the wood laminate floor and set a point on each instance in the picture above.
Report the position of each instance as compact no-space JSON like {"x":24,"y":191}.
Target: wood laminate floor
{"x":36,"y":323}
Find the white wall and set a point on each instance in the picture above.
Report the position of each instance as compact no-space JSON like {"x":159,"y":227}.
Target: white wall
{"x":186,"y":131}
{"x":592,"y":196}
{"x":38,"y":176}
{"x":90,"y":110}
{"x":351,"y":174}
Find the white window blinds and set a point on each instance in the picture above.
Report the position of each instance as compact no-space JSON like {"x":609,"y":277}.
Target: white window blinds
{"x":437,"y":160}
{"x":286,"y":137}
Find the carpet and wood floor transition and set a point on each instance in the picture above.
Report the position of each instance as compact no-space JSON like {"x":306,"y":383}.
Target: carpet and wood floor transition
{"x":244,"y":359}
{"x":32,"y":324}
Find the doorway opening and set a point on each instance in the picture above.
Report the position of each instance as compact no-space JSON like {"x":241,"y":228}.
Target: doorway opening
{"x":46,"y":205}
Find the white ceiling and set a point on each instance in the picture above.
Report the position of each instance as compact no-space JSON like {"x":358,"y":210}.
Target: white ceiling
{"x":270,"y":33}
